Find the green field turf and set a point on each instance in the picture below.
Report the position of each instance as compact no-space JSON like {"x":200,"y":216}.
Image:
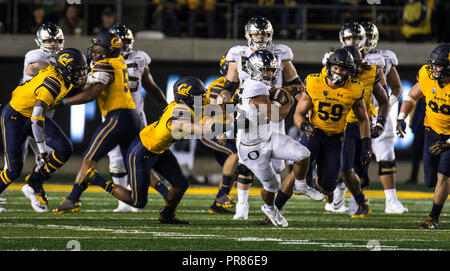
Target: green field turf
{"x":96,"y":227}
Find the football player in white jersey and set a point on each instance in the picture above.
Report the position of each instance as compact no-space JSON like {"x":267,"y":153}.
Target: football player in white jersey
{"x":258,"y":33}
{"x":383,"y":146}
{"x":257,"y":141}
{"x":50,"y":40}
{"x":139,"y":75}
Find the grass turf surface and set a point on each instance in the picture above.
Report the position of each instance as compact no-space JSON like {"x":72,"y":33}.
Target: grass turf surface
{"x":96,"y":227}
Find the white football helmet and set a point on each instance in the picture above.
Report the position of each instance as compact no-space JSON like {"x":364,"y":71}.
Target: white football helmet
{"x":126,"y":36}
{"x":50,"y":38}
{"x":259,"y":25}
{"x":356,"y":31}
{"x":372,"y":35}
{"x":262,"y":65}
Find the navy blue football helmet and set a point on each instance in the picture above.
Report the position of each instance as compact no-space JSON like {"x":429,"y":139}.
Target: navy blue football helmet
{"x":110,"y":41}
{"x":186,"y":88}
{"x":72,"y":65}
{"x":341,"y":58}
{"x":440,"y":56}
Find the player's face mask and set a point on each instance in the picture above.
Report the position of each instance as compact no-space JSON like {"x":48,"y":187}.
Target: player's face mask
{"x":352,"y":41}
{"x":52,"y":45}
{"x":97,"y":53}
{"x":260,"y":40}
{"x":436,"y":71}
{"x":338,"y":74}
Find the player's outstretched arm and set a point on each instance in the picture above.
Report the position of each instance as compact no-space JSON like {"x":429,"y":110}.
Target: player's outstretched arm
{"x":393,"y":81}
{"x":89,"y":94}
{"x":155,"y":92}
{"x":383,"y":101}
{"x":302,"y":108}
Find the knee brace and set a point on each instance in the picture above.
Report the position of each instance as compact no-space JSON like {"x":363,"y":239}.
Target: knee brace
{"x":386,"y":168}
{"x":243,"y":170}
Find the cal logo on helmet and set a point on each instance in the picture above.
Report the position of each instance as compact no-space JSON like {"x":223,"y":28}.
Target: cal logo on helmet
{"x":184,"y":89}
{"x":115,"y":42}
{"x":65,"y":59}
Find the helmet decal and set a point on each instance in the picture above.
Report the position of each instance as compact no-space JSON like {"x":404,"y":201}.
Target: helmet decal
{"x":65,"y":59}
{"x":184,"y":89}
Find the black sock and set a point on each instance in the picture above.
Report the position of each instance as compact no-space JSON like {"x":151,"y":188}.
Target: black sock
{"x":360,"y":198}
{"x":76,"y":193}
{"x":281,"y":199}
{"x":436,"y":211}
{"x":162,"y":189}
{"x":226,"y":186}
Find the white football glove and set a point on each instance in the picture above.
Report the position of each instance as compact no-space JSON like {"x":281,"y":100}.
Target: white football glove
{"x":98,"y":77}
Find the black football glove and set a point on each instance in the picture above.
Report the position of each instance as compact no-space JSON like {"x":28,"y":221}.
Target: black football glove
{"x":401,"y":128}
{"x":366,"y":151}
{"x":59,"y":104}
{"x":439,"y":147}
{"x":308,"y":129}
{"x":378,"y":129}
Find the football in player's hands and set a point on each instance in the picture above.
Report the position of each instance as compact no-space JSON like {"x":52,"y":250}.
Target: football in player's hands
{"x":279,"y":96}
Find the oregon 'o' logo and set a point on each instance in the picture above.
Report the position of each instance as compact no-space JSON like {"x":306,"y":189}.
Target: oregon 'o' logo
{"x":253,"y":155}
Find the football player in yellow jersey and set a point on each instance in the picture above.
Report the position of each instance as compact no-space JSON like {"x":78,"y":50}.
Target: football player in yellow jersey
{"x":354,"y":172}
{"x":25,"y":115}
{"x":433,"y":84}
{"x":108,"y":84}
{"x":329,"y":98}
{"x":150,"y":150}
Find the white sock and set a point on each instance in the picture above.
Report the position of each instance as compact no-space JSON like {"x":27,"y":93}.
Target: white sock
{"x":267,"y":206}
{"x":390,"y":194}
{"x":122,"y":181}
{"x":242,"y":195}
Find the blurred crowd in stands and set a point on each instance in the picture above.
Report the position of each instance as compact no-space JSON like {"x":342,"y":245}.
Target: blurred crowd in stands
{"x":410,"y":20}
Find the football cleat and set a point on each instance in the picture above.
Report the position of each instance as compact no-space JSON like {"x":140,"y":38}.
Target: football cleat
{"x":215,"y":209}
{"x":125,"y":208}
{"x":2,"y":209}
{"x":172,"y":220}
{"x":37,"y":201}
{"x":242,"y":209}
{"x":225,"y":201}
{"x":301,"y":188}
{"x":352,"y":206}
{"x":339,"y":196}
{"x":332,"y":208}
{"x":363,"y":210}
{"x":274,"y":215}
{"x":38,"y":189}
{"x":67,"y":206}
{"x":429,"y":224}
{"x":394,"y":206}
